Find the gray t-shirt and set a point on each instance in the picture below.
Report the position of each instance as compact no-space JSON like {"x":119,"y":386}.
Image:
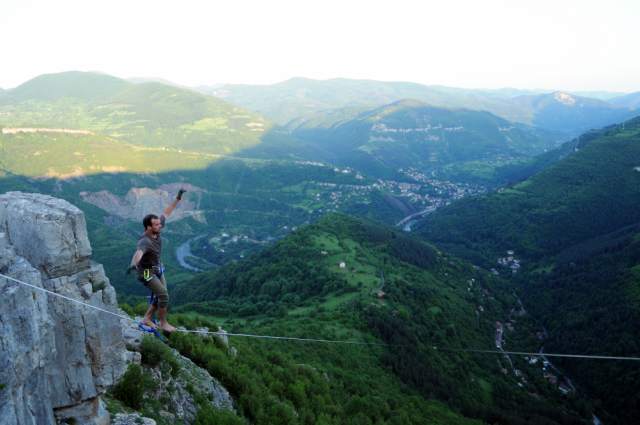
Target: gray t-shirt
{"x":151,"y":249}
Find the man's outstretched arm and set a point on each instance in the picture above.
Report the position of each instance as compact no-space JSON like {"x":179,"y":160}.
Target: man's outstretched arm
{"x":135,"y":260}
{"x":170,"y":208}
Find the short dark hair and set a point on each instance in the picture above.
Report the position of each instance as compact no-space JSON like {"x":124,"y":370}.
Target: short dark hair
{"x":147,"y":221}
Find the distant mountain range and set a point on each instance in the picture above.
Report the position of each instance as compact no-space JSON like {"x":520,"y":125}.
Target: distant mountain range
{"x":629,"y":100}
{"x":375,"y":139}
{"x":510,"y":92}
{"x":572,"y":115}
{"x":298,"y":97}
{"x":204,"y":89}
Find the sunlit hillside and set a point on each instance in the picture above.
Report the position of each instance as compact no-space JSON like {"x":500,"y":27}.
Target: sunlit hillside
{"x":147,"y":115}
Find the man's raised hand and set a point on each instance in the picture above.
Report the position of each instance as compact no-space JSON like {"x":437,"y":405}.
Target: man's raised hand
{"x":180,"y":193}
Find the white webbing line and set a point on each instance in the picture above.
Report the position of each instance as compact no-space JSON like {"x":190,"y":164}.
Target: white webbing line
{"x":328,"y":340}
{"x":201,"y":332}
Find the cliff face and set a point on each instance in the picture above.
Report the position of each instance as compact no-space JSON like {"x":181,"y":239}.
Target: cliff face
{"x":141,"y":201}
{"x":55,"y":355}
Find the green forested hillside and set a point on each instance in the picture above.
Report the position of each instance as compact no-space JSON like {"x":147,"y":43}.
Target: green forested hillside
{"x":298,"y":289}
{"x":592,"y":192}
{"x":410,"y":133}
{"x":147,"y":115}
{"x":590,"y":304}
{"x":574,"y":228}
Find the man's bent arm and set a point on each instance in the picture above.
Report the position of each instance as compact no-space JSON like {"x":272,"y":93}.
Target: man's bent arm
{"x":137,"y":256}
{"x":170,"y":208}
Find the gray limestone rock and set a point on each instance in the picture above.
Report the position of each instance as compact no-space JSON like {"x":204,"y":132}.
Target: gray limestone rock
{"x":131,"y":419}
{"x":89,"y":412}
{"x":54,"y":354}
{"x":26,"y":347}
{"x":49,"y":233}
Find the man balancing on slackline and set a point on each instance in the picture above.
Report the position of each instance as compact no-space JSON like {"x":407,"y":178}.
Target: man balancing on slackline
{"x":146,"y":262}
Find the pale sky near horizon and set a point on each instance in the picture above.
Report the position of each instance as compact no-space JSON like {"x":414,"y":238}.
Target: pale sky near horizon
{"x":566,"y":45}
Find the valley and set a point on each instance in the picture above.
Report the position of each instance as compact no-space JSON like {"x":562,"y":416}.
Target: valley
{"x":354,"y":211}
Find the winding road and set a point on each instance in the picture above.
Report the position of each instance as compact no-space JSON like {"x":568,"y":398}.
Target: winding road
{"x":427,"y":210}
{"x":382,"y":276}
{"x":542,"y":348}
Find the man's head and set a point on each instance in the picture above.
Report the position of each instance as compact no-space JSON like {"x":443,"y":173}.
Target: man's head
{"x":151,"y":223}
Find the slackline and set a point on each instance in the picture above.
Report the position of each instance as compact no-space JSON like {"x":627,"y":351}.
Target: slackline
{"x":328,"y":340}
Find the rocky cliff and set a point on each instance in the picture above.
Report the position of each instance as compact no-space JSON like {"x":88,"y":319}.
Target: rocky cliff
{"x":140,"y":201}
{"x":56,"y":357}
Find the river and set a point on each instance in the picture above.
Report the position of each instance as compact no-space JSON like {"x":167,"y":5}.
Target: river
{"x":184,"y":251}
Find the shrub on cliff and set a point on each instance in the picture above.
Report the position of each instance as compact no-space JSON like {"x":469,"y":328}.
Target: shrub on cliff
{"x":132,"y":387}
{"x":210,"y":415}
{"x":155,"y":352}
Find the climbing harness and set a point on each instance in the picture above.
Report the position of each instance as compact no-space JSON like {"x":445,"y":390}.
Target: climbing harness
{"x":147,"y":275}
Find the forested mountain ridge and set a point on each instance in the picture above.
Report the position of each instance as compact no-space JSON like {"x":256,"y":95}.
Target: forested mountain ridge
{"x":299,"y":289}
{"x":411,"y":133}
{"x":147,"y":115}
{"x":574,"y":228}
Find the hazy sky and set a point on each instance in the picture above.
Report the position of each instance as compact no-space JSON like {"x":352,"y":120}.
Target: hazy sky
{"x":568,"y":45}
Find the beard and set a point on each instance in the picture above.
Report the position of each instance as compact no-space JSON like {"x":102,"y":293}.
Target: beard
{"x":156,"y":232}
